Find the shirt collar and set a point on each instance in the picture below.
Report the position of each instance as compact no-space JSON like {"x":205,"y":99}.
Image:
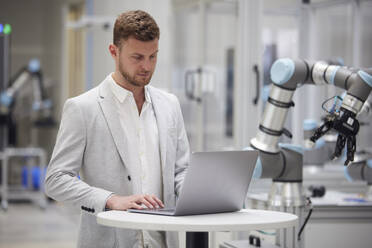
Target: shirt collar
{"x":147,"y":95}
{"x":121,"y":94}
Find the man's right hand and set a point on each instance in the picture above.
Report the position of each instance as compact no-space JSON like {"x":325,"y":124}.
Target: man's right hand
{"x":117,"y":202}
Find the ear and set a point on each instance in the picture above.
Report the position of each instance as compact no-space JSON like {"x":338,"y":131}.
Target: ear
{"x":113,"y":51}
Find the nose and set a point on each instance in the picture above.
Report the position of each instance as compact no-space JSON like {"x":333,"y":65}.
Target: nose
{"x":146,"y":65}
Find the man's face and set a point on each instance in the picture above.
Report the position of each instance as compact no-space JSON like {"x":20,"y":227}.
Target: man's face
{"x":136,"y":60}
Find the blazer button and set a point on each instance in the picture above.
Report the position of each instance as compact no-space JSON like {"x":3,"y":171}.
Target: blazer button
{"x":129,"y":178}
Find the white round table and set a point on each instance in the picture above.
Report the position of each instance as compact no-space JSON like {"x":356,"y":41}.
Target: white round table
{"x":243,"y":220}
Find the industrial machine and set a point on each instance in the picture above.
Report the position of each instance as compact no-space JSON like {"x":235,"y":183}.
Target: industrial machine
{"x":41,"y":115}
{"x":283,"y":162}
{"x":41,"y":106}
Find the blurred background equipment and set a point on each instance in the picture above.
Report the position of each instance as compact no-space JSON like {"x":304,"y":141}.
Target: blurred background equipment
{"x":41,"y":115}
{"x":41,"y":106}
{"x":216,"y":56}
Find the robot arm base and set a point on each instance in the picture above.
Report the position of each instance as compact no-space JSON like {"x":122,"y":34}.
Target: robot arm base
{"x":285,"y":166}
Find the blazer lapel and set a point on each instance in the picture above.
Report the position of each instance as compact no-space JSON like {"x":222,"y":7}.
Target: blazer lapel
{"x":107,"y":104}
{"x":160,"y":115}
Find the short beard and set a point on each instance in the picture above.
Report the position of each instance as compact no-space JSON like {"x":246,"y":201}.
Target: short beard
{"x":131,"y":79}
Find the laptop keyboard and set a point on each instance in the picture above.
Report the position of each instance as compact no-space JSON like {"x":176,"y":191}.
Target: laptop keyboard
{"x":161,"y":209}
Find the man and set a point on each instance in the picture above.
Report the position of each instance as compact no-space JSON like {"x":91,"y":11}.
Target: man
{"x":125,"y":139}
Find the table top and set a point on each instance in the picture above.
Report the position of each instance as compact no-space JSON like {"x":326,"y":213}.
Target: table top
{"x":246,"y":219}
{"x":330,"y":199}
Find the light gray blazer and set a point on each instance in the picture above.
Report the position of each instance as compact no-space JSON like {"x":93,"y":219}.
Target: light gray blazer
{"x":91,"y":143}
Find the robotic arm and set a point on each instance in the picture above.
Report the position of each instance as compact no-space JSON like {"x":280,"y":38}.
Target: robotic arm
{"x":41,"y":104}
{"x":286,"y":75}
{"x":358,"y":84}
{"x":283,"y":163}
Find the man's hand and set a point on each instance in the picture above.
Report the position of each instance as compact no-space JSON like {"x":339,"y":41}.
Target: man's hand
{"x":117,"y":202}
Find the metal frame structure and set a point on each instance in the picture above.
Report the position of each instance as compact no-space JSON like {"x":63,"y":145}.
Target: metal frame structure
{"x":249,"y":51}
{"x":39,"y":197}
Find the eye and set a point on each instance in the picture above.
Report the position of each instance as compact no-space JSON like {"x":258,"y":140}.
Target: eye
{"x":136,"y":57}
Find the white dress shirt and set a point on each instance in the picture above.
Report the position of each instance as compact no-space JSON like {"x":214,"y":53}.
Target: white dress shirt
{"x":141,"y":130}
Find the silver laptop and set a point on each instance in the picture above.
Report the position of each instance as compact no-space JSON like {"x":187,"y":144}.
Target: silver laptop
{"x":215,"y":182}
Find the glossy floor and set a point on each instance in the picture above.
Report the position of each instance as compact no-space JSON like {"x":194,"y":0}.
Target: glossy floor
{"x":25,"y":225}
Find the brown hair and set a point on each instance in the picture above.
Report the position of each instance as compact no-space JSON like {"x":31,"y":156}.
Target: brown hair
{"x":136,"y":23}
